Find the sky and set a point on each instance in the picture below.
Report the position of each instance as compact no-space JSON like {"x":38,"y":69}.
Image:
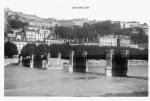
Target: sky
{"x":117,"y":10}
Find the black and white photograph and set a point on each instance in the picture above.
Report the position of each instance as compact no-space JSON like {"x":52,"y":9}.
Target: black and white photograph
{"x":75,"y":48}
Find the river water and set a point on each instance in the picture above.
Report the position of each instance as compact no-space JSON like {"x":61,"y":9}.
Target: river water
{"x":23,"y":81}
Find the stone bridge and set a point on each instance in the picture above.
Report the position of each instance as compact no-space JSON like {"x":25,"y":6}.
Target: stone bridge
{"x":116,"y":62}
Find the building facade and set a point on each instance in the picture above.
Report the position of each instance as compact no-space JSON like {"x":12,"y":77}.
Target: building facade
{"x":130,"y":24}
{"x":134,"y":46}
{"x":112,"y":40}
{"x":31,"y":35}
{"x":135,"y":24}
{"x":54,"y":41}
{"x":125,"y":41}
{"x":46,"y":32}
{"x":37,"y":34}
{"x":109,"y":40}
{"x":40,"y":36}
{"x":145,"y":28}
{"x":91,"y":44}
{"x":40,"y":24}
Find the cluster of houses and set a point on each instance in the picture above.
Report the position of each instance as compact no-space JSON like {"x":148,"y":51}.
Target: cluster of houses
{"x":42,"y":31}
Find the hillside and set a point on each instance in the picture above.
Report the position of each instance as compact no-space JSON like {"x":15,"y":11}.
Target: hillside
{"x":67,"y":29}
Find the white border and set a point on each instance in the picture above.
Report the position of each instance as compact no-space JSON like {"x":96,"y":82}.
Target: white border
{"x":143,"y":3}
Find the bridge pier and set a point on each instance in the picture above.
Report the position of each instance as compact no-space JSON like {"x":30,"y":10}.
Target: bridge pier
{"x":120,"y":63}
{"x":71,"y":57}
{"x":20,"y":60}
{"x":78,"y":63}
{"x":109,"y":57}
{"x":116,"y":63}
{"x":44,"y":64}
{"x":48,"y":59}
{"x":59,"y":60}
{"x":31,"y":61}
{"x":86,"y":69}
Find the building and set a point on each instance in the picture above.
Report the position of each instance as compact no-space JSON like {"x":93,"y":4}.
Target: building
{"x":40,"y":24}
{"x":37,"y":34}
{"x":143,"y":46}
{"x":109,"y":40}
{"x":18,"y":37}
{"x":117,"y":24}
{"x":67,"y":23}
{"x":20,"y":45}
{"x":112,"y":40}
{"x":80,"y":22}
{"x":125,"y":41}
{"x":15,"y":35}
{"x":74,"y":22}
{"x":38,"y":43}
{"x":31,"y":28}
{"x":145,"y":28}
{"x":130,"y":24}
{"x":134,"y":25}
{"x":91,"y":44}
{"x":40,"y":36}
{"x":134,"y":46}
{"x":47,"y":32}
{"x":11,"y":37}
{"x":54,"y":41}
{"x":31,"y":35}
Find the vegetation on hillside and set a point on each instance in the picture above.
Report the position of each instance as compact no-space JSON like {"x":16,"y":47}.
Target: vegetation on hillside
{"x":13,"y":23}
{"x":100,"y":28}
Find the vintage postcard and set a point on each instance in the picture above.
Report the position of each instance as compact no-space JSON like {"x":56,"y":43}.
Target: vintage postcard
{"x":75,"y":48}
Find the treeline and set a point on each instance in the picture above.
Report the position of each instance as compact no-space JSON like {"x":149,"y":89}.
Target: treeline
{"x":91,"y":31}
{"x":93,"y":52}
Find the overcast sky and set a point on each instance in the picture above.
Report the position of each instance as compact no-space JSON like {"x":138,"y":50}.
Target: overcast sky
{"x":118,"y":10}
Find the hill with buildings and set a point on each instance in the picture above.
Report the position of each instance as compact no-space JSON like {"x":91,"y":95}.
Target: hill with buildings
{"x":23,"y":28}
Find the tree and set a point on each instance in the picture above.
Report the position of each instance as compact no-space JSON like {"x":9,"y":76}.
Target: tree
{"x":28,"y":50}
{"x":10,"y":49}
{"x":16,"y":24}
{"x":41,"y":49}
